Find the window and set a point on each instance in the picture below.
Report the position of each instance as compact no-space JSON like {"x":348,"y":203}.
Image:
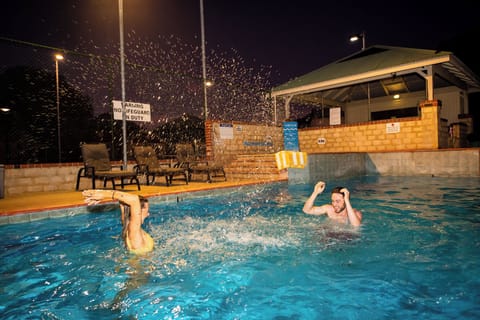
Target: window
{"x":395,"y":113}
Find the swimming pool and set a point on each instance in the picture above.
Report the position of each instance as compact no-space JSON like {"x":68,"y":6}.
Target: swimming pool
{"x":253,"y":254}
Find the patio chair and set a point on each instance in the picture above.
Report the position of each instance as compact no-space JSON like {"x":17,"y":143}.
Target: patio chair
{"x":149,"y":165}
{"x":187,"y":158}
{"x":97,"y":166}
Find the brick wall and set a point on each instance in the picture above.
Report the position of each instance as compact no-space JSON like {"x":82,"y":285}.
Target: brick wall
{"x":416,"y":133}
{"x":245,"y":139}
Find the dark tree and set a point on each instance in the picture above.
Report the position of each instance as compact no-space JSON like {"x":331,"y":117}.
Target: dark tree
{"x":30,"y":126}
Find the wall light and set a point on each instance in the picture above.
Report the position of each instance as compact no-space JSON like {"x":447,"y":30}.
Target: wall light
{"x":396,"y":96}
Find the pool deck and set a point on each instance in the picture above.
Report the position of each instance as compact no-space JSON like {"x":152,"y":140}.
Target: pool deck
{"x":42,"y":201}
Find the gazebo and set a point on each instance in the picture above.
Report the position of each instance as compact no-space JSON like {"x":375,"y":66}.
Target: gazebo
{"x":381,"y":82}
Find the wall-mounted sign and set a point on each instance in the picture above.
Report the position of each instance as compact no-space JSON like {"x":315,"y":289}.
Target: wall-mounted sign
{"x":321,"y":141}
{"x":226,"y":131}
{"x":335,"y":116}
{"x":393,"y":127}
{"x":134,"y":111}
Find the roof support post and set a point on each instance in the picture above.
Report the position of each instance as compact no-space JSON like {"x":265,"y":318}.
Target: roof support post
{"x":287,"y":106}
{"x":429,"y":84}
{"x":275,"y":110}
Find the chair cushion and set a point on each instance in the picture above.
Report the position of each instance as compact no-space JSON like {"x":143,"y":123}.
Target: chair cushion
{"x":96,"y":155}
{"x":115,"y":174}
{"x":145,"y":155}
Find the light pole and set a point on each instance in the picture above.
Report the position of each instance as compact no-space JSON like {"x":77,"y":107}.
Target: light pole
{"x":204,"y":67}
{"x":357,"y":37}
{"x":59,"y":139}
{"x":122,"y":74}
{"x":6,"y":122}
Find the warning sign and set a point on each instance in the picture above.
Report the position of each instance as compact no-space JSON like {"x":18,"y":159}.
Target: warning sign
{"x":134,"y":111}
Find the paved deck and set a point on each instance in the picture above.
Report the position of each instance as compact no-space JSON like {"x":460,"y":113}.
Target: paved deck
{"x":42,"y":201}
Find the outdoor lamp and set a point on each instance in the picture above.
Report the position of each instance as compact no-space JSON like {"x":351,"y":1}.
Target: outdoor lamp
{"x":57,"y":82}
{"x":357,"y":37}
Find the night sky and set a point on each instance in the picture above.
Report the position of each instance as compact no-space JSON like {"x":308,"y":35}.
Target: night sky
{"x":293,"y":37}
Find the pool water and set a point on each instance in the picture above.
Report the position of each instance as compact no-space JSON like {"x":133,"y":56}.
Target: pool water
{"x":253,"y":254}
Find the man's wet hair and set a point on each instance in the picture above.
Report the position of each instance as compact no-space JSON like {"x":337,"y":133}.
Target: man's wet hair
{"x":337,"y":190}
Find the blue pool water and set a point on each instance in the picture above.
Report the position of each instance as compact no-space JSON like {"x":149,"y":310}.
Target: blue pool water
{"x":253,"y":254}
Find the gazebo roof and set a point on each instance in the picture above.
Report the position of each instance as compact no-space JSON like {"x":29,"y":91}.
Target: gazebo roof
{"x":387,"y":70}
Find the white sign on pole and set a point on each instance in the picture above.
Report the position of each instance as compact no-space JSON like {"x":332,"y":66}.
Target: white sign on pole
{"x":134,"y":111}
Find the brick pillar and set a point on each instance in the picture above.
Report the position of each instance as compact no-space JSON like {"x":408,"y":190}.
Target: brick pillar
{"x":431,"y":103}
{"x":209,"y":140}
{"x":430,"y":114}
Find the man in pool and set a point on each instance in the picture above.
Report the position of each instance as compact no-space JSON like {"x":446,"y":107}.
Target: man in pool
{"x":339,"y":210}
{"x":134,"y":210}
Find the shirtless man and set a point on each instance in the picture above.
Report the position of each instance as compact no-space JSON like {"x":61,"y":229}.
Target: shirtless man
{"x":340,"y":210}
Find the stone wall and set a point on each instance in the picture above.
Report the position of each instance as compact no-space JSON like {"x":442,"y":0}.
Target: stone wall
{"x":44,"y":178}
{"x":40,"y":178}
{"x":328,"y":166}
{"x":442,"y":163}
{"x":445,"y":163}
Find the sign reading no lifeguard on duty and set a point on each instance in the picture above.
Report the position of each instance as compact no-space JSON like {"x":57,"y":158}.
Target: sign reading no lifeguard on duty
{"x":134,"y":111}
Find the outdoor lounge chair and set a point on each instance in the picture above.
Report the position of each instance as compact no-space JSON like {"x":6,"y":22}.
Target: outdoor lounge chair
{"x":149,"y":165}
{"x":97,"y":166}
{"x":187,"y":158}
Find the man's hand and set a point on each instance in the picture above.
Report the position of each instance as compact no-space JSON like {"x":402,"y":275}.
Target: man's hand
{"x":319,"y":187}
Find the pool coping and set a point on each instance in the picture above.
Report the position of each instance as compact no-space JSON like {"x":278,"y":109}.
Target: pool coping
{"x":79,"y":207}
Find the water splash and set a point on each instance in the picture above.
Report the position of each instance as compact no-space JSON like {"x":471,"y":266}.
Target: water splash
{"x":164,"y":72}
